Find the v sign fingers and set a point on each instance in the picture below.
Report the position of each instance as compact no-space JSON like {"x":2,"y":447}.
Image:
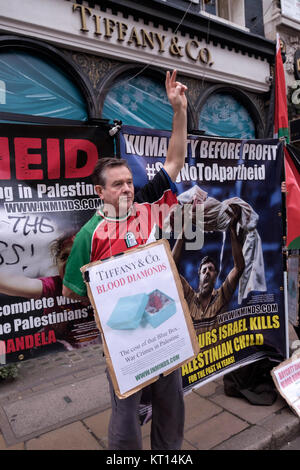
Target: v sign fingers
{"x":176,"y":92}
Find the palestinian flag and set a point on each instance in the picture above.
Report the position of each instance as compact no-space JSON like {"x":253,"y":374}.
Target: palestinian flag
{"x":292,"y":178}
{"x":281,"y":123}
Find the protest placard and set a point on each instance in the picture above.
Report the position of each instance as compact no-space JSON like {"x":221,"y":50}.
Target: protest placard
{"x":286,"y":377}
{"x":142,"y":314}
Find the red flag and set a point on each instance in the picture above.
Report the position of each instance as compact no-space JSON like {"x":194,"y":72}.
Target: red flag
{"x":292,"y":177}
{"x":281,"y":129}
{"x":281,"y":122}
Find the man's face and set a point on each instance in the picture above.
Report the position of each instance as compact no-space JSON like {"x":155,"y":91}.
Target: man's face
{"x":118,"y":192}
{"x":207,"y":279}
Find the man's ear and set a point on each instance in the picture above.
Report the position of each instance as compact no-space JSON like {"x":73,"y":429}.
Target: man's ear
{"x":98,"y":189}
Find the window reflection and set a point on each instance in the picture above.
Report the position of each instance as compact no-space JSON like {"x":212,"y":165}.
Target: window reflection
{"x":32,"y":86}
{"x":222,"y":115}
{"x":140,"y":101}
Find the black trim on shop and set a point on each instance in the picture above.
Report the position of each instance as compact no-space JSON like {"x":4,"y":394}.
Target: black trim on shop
{"x":30,"y":118}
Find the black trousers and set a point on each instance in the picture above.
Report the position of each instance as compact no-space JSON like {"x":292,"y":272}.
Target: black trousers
{"x":167,"y":426}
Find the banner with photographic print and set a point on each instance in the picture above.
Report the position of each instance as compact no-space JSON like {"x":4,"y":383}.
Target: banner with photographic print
{"x":230,"y":260}
{"x":46,"y":195}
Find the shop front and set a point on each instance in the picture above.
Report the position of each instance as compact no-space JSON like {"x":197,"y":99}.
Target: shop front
{"x":81,"y":62}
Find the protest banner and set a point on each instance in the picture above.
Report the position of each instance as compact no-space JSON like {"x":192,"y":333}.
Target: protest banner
{"x":45,"y":197}
{"x":45,"y":191}
{"x":142,"y":314}
{"x":245,"y":319}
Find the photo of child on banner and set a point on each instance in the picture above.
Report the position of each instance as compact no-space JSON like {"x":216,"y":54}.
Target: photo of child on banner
{"x":218,"y":217}
{"x":60,"y":324}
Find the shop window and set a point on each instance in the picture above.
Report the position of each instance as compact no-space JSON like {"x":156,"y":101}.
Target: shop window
{"x":140,"y":101}
{"x":229,"y":10}
{"x":209,"y":6}
{"x":31,"y":86}
{"x":222,"y":115}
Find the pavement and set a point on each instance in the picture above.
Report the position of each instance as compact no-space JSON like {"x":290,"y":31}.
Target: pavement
{"x":61,"y":402}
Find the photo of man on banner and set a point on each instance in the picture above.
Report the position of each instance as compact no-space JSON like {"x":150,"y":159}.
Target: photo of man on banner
{"x":206,"y":303}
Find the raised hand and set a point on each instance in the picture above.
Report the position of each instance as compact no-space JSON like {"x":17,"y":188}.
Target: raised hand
{"x":178,"y":140}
